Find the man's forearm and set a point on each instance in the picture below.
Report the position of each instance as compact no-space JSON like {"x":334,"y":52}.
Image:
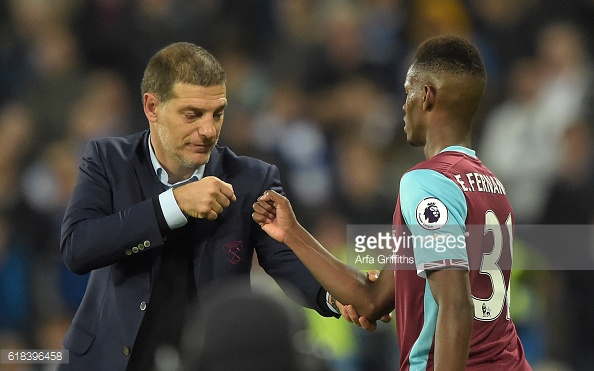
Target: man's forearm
{"x":452,"y":337}
{"x":345,"y":283}
{"x":93,"y":243}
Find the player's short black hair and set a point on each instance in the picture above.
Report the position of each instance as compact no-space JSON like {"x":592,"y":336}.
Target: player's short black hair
{"x":452,"y":54}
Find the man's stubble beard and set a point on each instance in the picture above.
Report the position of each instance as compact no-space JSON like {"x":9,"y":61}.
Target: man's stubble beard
{"x":170,"y":149}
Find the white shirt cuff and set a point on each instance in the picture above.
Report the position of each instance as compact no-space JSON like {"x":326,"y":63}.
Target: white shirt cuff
{"x":171,"y":211}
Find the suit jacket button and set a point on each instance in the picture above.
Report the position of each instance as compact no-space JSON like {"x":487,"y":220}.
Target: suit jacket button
{"x":128,"y":252}
{"x":127,"y":351}
{"x":140,"y":246}
{"x":143,"y":305}
{"x":135,"y":249}
{"x":147,"y":243}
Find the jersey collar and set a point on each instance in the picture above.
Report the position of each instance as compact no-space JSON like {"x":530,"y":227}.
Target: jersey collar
{"x":464,"y":150}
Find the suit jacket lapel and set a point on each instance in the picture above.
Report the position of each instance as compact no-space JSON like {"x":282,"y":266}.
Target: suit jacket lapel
{"x":149,"y":186}
{"x":202,"y":228}
{"x":213,"y":166}
{"x":148,"y":182}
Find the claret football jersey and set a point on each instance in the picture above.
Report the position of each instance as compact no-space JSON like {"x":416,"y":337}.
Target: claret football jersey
{"x":454,"y":214}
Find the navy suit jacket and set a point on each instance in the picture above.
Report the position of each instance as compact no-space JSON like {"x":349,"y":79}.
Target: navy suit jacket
{"x":111,"y":229}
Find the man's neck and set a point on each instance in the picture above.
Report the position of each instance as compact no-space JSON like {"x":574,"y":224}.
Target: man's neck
{"x":433,"y":147}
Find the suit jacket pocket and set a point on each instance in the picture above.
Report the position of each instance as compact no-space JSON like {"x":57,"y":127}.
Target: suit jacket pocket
{"x":78,"y":340}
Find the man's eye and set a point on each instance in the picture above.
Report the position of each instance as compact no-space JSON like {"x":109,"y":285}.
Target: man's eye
{"x":191,"y":115}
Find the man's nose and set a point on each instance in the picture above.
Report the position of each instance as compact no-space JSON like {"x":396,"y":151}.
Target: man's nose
{"x":207,"y":129}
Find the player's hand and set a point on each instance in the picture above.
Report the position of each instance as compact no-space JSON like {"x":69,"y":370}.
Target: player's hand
{"x":273,"y":212}
{"x":350,"y":313}
{"x":206,"y":198}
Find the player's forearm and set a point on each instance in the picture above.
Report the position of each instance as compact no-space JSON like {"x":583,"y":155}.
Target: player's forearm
{"x":344,"y":283}
{"x":452,"y":336}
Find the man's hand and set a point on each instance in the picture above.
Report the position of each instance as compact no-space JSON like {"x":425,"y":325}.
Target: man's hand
{"x":206,"y":198}
{"x":274,"y":214}
{"x":350,"y":313}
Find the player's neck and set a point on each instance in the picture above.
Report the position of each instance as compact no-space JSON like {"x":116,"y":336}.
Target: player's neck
{"x":437,"y":142}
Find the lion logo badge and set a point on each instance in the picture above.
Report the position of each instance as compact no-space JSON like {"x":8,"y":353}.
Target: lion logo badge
{"x":432,"y":214}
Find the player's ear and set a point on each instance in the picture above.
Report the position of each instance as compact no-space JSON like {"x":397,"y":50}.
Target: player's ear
{"x":150,"y":103}
{"x":429,"y":96}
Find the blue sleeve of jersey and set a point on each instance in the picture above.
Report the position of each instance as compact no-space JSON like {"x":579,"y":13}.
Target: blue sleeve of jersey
{"x":434,"y":209}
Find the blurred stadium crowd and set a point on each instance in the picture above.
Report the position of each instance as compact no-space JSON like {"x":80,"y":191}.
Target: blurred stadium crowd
{"x":315,"y":87}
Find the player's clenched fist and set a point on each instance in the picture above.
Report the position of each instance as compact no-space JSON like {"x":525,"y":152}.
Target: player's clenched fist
{"x":205,"y":198}
{"x":275,"y":215}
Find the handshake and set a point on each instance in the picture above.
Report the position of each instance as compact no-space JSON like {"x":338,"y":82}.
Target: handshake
{"x":273,"y":212}
{"x":208,"y":197}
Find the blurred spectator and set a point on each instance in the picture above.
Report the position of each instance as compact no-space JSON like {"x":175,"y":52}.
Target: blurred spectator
{"x":102,"y":109}
{"x":56,"y":83}
{"x":510,"y":26}
{"x":249,"y":90}
{"x":340,"y":53}
{"x":14,"y":340}
{"x":571,"y":202}
{"x":104,"y":31}
{"x":286,"y":132}
{"x":15,"y":285}
{"x":49,"y":334}
{"x":155,"y":24}
{"x":428,"y":18}
{"x":297,"y":31}
{"x":16,"y":133}
{"x":26,"y":22}
{"x":335,"y":339}
{"x":567,"y":71}
{"x":241,"y":329}
{"x":383,"y":28}
{"x":522,"y":136}
{"x":361,"y":197}
{"x":47,"y":185}
{"x":515,"y":138}
{"x":49,"y":181}
{"x":356,"y":106}
{"x":519,"y":142}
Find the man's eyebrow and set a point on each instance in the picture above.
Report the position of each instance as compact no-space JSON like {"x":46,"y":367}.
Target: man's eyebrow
{"x":191,"y":107}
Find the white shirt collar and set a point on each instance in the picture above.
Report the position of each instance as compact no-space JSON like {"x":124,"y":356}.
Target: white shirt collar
{"x":162,"y":174}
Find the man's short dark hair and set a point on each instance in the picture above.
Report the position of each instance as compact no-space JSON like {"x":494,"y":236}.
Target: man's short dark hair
{"x":451,"y":54}
{"x":180,"y":62}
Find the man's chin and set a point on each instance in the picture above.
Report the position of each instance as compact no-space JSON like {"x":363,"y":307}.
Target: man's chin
{"x":204,"y":159}
{"x":197,"y":161}
{"x":414,"y":143}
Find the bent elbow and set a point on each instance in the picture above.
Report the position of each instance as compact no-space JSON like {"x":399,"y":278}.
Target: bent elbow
{"x":73,"y":262}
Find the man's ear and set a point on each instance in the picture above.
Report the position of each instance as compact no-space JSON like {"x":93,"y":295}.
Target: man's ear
{"x":429,"y":96}
{"x":150,"y":105}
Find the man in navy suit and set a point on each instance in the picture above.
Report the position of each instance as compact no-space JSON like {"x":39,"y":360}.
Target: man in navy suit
{"x":158,"y":216}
